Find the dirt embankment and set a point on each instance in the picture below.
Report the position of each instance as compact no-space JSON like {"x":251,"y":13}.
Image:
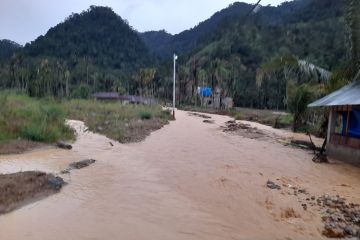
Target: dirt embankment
{"x":19,"y":146}
{"x":18,"y":189}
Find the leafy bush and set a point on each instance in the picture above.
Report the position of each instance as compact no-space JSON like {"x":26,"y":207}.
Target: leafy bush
{"x":82,"y":92}
{"x":146,"y":115}
{"x":287,"y":119}
{"x":166,"y":114}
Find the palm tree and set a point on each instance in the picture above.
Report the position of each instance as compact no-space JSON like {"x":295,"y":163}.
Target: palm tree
{"x":351,"y":70}
{"x":290,"y":65}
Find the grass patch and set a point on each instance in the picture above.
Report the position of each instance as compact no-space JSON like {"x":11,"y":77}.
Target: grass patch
{"x":287,"y":120}
{"x":123,"y":123}
{"x":25,"y":118}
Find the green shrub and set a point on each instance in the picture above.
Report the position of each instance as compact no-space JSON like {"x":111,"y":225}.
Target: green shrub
{"x":146,"y":115}
{"x":166,"y":114}
{"x":82,"y":92}
{"x":287,"y":119}
{"x":238,"y":116}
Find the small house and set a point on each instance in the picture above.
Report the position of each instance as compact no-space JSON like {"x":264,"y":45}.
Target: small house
{"x":213,"y":98}
{"x":343,"y":136}
{"x":106,"y":96}
{"x":125,"y":99}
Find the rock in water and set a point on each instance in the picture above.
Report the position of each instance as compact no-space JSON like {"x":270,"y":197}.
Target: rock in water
{"x":56,"y":182}
{"x":63,"y":145}
{"x":209,"y":121}
{"x":82,"y":164}
{"x":272,"y":185}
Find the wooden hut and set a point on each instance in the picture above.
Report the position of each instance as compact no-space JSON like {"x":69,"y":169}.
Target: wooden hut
{"x":343,"y":136}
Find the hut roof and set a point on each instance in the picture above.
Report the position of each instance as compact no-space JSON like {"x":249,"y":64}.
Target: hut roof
{"x":348,"y":95}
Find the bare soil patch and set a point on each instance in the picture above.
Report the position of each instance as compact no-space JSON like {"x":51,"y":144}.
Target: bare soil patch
{"x":266,"y":117}
{"x":19,"y":189}
{"x":290,"y":213}
{"x":244,"y":130}
{"x":19,"y":146}
{"x":199,"y":115}
{"x":138,"y":130}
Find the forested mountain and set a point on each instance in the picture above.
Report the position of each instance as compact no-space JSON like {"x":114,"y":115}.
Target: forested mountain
{"x":8,"y":48}
{"x":95,"y":50}
{"x":97,"y":34}
{"x":164,"y":45}
{"x":157,"y":41}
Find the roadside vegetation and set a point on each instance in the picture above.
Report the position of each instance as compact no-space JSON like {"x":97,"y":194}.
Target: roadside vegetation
{"x":123,"y":123}
{"x":27,"y":123}
{"x":24,"y":119}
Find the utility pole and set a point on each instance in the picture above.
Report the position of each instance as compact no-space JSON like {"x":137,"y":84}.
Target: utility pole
{"x":174,"y":85}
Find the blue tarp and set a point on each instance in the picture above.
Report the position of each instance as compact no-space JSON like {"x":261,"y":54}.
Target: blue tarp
{"x":354,"y":128}
{"x":206,"y":92}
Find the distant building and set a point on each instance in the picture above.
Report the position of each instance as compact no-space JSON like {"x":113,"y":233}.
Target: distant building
{"x":125,"y":99}
{"x":214,"y":99}
{"x":343,"y":136}
{"x":106,"y":96}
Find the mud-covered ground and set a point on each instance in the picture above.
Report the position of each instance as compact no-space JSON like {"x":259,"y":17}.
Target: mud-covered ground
{"x":18,"y":146}
{"x":188,"y":180}
{"x":18,"y":189}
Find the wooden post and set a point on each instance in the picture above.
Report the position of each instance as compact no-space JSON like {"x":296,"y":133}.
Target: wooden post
{"x":331,"y":126}
{"x":348,"y":120}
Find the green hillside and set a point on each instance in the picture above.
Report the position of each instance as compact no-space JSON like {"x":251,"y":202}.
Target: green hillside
{"x":8,"y":48}
{"x":232,"y":54}
{"x":95,"y":50}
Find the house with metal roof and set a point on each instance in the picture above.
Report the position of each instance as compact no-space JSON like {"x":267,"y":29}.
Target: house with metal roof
{"x":343,"y":136}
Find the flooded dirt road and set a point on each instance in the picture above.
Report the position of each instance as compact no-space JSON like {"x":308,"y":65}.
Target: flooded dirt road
{"x":188,"y":180}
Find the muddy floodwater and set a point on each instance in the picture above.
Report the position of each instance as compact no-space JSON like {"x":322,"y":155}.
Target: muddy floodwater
{"x":189,"y":180}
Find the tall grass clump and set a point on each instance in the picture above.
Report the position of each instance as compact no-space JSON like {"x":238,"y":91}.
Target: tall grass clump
{"x":22,"y":117}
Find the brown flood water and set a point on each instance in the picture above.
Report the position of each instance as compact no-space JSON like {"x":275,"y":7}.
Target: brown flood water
{"x":188,"y":180}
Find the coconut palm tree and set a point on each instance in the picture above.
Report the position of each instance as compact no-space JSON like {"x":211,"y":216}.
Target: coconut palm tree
{"x":351,"y":70}
{"x":283,"y":68}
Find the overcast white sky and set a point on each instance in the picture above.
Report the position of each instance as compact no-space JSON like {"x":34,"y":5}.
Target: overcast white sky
{"x":24,"y":20}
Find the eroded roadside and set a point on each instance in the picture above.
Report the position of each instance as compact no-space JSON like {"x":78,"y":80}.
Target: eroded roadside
{"x":19,"y":189}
